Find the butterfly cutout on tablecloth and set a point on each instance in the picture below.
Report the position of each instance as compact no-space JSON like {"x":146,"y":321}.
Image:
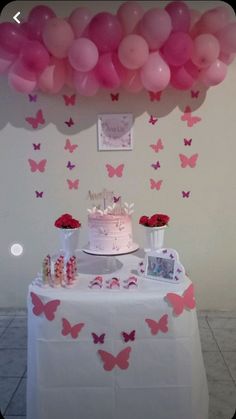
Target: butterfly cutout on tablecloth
{"x":70,"y":122}
{"x":186,"y":194}
{"x":188,"y":161}
{"x":39,"y":194}
{"x":70,"y":166}
{"x":37,"y":120}
{"x":40,"y":166}
{"x":68,"y":329}
{"x":115,"y":171}
{"x":156,"y":165}
{"x":158,"y":326}
{"x":153,"y":120}
{"x":36,"y":146}
{"x":128,"y":336}
{"x":154,"y":96}
{"x":158,"y":146}
{"x":187,"y":116}
{"x":69,"y":146}
{"x":98,"y":339}
{"x":180,"y":303}
{"x":187,"y":141}
{"x":73,"y":184}
{"x":155,"y":184}
{"x":69,"y":100}
{"x":114,"y":97}
{"x":195,"y":94}
{"x":49,"y":309}
{"x":32,"y":98}
{"x":110,"y":361}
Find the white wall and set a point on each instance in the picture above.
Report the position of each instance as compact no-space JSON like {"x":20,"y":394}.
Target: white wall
{"x":202,"y":228}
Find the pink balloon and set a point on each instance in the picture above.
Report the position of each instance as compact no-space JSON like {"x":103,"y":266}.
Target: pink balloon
{"x":53,"y":77}
{"x":214,"y":20}
{"x":11,"y":37}
{"x":226,"y":58}
{"x":181,"y":79}
{"x":132,"y":81}
{"x":86,"y":84}
{"x":105,"y":31}
{"x":155,"y":27}
{"x":155,"y":74}
{"x":34,"y":56}
{"x":206,"y":50}
{"x":180,"y":16}
{"x":227,"y":38}
{"x":83,"y":54}
{"x":129,"y":14}
{"x":37,"y":19}
{"x":79,"y":20}
{"x":192,"y":69}
{"x":133,"y":51}
{"x":21,"y":79}
{"x":194,"y":18}
{"x":214,"y":74}
{"x":177,"y":49}
{"x":108,"y":72}
{"x":6,"y":59}
{"x":58,"y":37}
{"x":69,"y":75}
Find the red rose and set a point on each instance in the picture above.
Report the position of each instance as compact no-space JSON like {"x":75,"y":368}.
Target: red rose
{"x":152,"y":222}
{"x":158,"y":220}
{"x":66,"y":216}
{"x":143,"y":220}
{"x":66,"y":221}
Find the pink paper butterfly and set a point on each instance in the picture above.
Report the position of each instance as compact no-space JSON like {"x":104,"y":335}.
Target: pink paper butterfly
{"x":70,"y":166}
{"x":180,"y":303}
{"x":39,"y":194}
{"x":72,"y":330}
{"x":40,"y":166}
{"x":37,"y":146}
{"x":70,"y":122}
{"x":73,"y":184}
{"x":32,"y":98}
{"x":128,"y":336}
{"x":152,"y":120}
{"x":98,"y":339}
{"x":160,"y":326}
{"x":110,"y":361}
{"x":187,"y":116}
{"x":154,"y":95}
{"x":156,"y":165}
{"x":187,"y":142}
{"x":116,"y":199}
{"x":69,"y":100}
{"x":35,"y":121}
{"x":188,"y":161}
{"x":158,"y":146}
{"x":155,"y":185}
{"x":115,"y":171}
{"x":47,"y":309}
{"x":185,"y":194}
{"x":69,"y":146}
{"x":114,"y":97}
{"x":194,"y":94}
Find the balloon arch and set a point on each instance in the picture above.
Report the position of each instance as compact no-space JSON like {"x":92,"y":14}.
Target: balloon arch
{"x":133,"y":49}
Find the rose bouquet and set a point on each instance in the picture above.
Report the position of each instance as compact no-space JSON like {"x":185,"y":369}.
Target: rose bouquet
{"x":66,"y":221}
{"x":156,"y":220}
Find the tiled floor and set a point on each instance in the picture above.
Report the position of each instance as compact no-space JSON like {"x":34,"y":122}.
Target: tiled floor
{"x":218,"y":337}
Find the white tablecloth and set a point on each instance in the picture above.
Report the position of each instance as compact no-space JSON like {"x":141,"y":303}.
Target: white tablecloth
{"x":165,"y":377}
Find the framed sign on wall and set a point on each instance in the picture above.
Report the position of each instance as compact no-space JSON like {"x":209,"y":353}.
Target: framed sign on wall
{"x":115,"y":131}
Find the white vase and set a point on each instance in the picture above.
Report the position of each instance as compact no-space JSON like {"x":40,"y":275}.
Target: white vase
{"x":155,"y":237}
{"x":69,"y":238}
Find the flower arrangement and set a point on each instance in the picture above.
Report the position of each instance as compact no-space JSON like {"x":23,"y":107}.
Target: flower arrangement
{"x":156,"y":220}
{"x":67,"y":221}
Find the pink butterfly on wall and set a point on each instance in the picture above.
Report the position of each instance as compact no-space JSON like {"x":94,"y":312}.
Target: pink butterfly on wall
{"x":160,"y":326}
{"x":40,"y":166}
{"x":158,"y":146}
{"x":154,"y":96}
{"x":73,"y":184}
{"x":70,"y":122}
{"x":185,"y":194}
{"x":187,"y":141}
{"x":69,"y":146}
{"x":36,"y":146}
{"x":68,"y":329}
{"x":115,"y":171}
{"x":187,"y":116}
{"x":70,"y":166}
{"x":69,"y":100}
{"x":195,"y":93}
{"x":37,"y":120}
{"x":39,"y":194}
{"x":188,"y":161}
{"x":48,"y":309}
{"x":155,"y":185}
{"x":153,"y":120}
{"x":181,"y":303}
{"x":128,"y":336}
{"x":110,"y":361}
{"x":97,"y":338}
{"x":114,"y":97}
{"x":156,"y":165}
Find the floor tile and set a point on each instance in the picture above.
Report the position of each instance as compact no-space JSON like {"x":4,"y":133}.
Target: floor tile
{"x":202,"y":323}
{"x":19,"y":321}
{"x":12,"y":362}
{"x":216,"y":313}
{"x":230,"y":359}
{"x":15,"y":417}
{"x":226,"y":339}
{"x":218,"y":323}
{"x":207,"y":340}
{"x":7,"y":388}
{"x":216,"y":369}
{"x":14,"y":338}
{"x":222,"y":400}
{"x":17,"y":405}
{"x":13,"y":311}
{"x":5,"y":320}
{"x":2,"y":329}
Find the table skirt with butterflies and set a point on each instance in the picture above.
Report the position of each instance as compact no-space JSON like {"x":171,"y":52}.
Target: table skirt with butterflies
{"x":125,"y":352}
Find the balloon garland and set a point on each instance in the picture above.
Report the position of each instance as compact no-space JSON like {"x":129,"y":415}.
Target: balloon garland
{"x":133,"y":49}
